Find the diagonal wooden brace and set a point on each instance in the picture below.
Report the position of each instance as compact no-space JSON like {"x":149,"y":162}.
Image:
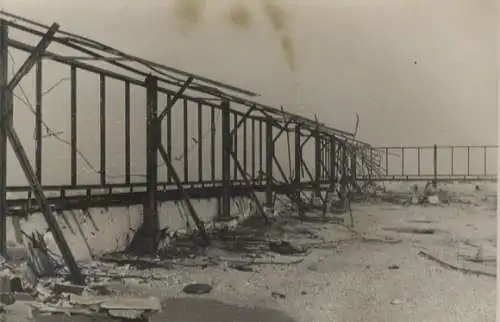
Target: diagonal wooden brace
{"x":248,"y":183}
{"x":250,"y":110}
{"x":189,"y":205}
{"x":63,"y":246}
{"x":35,"y":55}
{"x":175,"y":98}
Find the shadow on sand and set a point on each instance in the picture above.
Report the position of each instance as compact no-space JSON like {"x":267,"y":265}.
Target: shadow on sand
{"x":194,"y":310}
{"x":206,"y":310}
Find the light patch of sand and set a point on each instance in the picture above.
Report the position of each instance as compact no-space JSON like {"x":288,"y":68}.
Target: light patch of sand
{"x":353,"y":282}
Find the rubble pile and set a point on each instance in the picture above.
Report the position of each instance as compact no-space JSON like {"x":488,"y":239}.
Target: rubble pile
{"x":42,"y":285}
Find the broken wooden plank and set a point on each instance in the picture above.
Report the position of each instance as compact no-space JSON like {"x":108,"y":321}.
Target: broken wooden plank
{"x":49,"y":308}
{"x":68,"y":288}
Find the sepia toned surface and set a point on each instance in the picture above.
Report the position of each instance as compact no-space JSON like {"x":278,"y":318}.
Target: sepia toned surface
{"x":416,"y":74}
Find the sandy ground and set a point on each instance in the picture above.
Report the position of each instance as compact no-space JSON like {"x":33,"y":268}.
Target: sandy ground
{"x":350,"y":278}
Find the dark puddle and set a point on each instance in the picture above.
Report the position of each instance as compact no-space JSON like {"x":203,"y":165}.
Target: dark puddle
{"x":193,"y":310}
{"x":206,"y":310}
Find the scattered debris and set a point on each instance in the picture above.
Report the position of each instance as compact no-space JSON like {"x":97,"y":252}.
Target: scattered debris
{"x":313,"y":267}
{"x":371,"y":239}
{"x":29,"y":277}
{"x":285,"y":248}
{"x":277,"y":295}
{"x":7,"y":298}
{"x":241,"y":267}
{"x":455,"y":268}
{"x":382,"y":240}
{"x":261,"y":262}
{"x":60,"y":288}
{"x":433,"y":200}
{"x":40,"y":261}
{"x":416,"y":196}
{"x":421,"y":221}
{"x":124,"y":308}
{"x":424,"y":231}
{"x":197,"y":288}
{"x":479,"y":260}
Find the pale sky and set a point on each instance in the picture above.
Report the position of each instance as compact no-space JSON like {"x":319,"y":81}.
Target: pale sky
{"x":417,"y":72}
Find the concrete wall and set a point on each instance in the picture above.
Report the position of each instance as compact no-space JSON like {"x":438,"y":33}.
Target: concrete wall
{"x":100,"y":230}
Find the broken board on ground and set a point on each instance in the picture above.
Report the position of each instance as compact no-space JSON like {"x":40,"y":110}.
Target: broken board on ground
{"x":122,"y":308}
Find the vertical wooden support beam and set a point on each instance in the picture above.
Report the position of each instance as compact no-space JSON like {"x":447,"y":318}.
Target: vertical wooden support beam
{"x":326,"y":158}
{"x":127,"y":132}
{"x":370,"y":169}
{"x":73,"y":100}
{"x":102,"y":118}
{"x":200,"y":143}
{"x":387,"y":161}
{"x":38,"y":120}
{"x":185,"y":127}
{"x":317,"y":163}
{"x":151,"y":218}
{"x":4,"y":111}
{"x":418,"y":160}
{"x":344,"y":159}
{"x":452,"y":162}
{"x":253,"y":147}
{"x":402,"y":161}
{"x":468,"y":160}
{"x":269,"y":163}
{"x":298,"y":168}
{"x":333,"y":152}
{"x":354,"y":165}
{"x":245,"y":144}
{"x":435,"y":165}
{"x":212,"y":143}
{"x":260,"y":149}
{"x":169,"y":136}
{"x":226,"y":160}
{"x":235,"y":145}
{"x":485,"y":158}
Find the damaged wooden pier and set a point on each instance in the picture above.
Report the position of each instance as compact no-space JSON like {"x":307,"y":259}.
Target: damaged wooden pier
{"x":203,"y":139}
{"x":199,"y":139}
{"x":235,"y":149}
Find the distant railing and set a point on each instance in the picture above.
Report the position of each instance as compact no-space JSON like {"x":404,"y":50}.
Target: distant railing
{"x":478,"y":162}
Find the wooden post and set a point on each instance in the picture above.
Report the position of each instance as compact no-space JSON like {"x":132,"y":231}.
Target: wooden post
{"x":4,"y":111}
{"x":226,"y":160}
{"x":269,"y":163}
{"x":151,"y":218}
{"x":317,"y":163}
{"x":298,"y":168}
{"x":434,"y":181}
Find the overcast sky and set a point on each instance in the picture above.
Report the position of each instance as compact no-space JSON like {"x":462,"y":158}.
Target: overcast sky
{"x":416,"y":71}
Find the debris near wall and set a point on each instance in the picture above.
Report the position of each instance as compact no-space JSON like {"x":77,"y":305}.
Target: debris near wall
{"x":56,"y":295}
{"x":42,"y":285}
